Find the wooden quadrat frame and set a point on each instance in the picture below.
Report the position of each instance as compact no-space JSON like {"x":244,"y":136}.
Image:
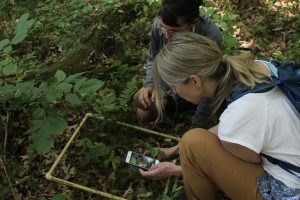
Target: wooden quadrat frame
{"x":87,"y":189}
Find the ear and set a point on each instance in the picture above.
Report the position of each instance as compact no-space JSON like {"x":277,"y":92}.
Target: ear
{"x":196,"y":80}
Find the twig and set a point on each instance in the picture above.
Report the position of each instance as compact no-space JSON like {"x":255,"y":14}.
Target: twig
{"x":6,"y":130}
{"x":22,"y":180}
{"x":4,"y":169}
{"x":129,"y":191}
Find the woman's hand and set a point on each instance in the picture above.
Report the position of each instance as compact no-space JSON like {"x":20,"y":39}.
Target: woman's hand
{"x":162,"y":171}
{"x":147,"y":96}
{"x":167,"y":154}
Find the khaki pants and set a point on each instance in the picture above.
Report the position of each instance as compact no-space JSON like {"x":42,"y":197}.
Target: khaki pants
{"x":207,"y":166}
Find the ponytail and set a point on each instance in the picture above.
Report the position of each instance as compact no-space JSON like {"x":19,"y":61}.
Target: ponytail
{"x":239,"y":69}
{"x":189,"y":53}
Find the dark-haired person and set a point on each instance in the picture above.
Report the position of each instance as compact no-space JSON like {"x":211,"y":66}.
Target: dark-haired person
{"x":174,"y":16}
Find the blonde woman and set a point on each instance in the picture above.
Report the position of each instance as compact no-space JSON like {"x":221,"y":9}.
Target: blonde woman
{"x":227,"y":156}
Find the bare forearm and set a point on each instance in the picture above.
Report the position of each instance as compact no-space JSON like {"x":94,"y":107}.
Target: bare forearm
{"x":176,"y":171}
{"x":175,"y":149}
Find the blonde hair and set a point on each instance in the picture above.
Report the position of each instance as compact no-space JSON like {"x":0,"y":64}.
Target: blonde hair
{"x":189,"y":53}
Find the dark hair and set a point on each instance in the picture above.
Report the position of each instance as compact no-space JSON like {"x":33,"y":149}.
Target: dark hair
{"x":172,"y":9}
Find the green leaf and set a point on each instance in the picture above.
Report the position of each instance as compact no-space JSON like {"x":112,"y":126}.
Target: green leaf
{"x":19,"y":37}
{"x":4,"y":43}
{"x":42,"y":141}
{"x":21,"y":21}
{"x":53,"y":94}
{"x":64,"y":87}
{"x":56,"y":124}
{"x":72,"y":78}
{"x":128,"y":92}
{"x":18,"y":93}
{"x":108,"y":103}
{"x":145,"y":195}
{"x":10,"y":69}
{"x":154,"y":152}
{"x":91,"y":86}
{"x":116,"y":63}
{"x":60,"y":75}
{"x":166,"y":197}
{"x":3,"y":63}
{"x":58,"y":197}
{"x":22,"y":29}
{"x":50,"y":125}
{"x":43,"y":132}
{"x":223,"y":25}
{"x":79,"y":83}
{"x":38,"y":113}
{"x":229,"y":41}
{"x":73,"y":99}
{"x":7,"y":49}
{"x":24,"y":24}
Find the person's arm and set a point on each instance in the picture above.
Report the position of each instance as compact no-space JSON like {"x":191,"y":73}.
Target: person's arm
{"x":169,"y":153}
{"x":208,"y":29}
{"x":155,"y":44}
{"x":242,"y":152}
{"x":214,"y":129}
{"x":162,"y":171}
{"x":243,"y":128}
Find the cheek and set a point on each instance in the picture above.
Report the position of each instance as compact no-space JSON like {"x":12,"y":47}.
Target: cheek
{"x":168,"y":35}
{"x":189,"y":94}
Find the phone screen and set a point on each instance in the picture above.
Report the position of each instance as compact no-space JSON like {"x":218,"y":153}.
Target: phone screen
{"x":141,"y":161}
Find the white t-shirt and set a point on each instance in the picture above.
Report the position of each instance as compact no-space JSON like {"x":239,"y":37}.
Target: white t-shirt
{"x":265,"y":123}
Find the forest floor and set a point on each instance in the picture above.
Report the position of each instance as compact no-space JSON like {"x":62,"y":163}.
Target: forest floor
{"x":267,"y":31}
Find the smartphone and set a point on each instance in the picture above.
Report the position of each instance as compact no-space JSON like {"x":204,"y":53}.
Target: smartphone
{"x":139,"y":160}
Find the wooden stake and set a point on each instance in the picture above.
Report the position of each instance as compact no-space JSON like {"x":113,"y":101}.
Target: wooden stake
{"x":139,"y":128}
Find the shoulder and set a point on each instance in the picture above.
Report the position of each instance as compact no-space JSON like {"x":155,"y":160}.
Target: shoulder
{"x":247,"y":104}
{"x":252,"y":112}
{"x":254,"y":104}
{"x":209,"y":29}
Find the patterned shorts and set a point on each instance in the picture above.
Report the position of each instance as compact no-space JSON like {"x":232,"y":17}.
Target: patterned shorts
{"x":273,"y":189}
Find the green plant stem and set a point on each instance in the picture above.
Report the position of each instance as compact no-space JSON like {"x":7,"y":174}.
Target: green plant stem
{"x":129,"y":191}
{"x":169,"y":179}
{"x":6,"y":130}
{"x":4,"y":169}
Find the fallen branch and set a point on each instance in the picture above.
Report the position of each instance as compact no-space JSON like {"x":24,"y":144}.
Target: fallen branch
{"x":4,"y":169}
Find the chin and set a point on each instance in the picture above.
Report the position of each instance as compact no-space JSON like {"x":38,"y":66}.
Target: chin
{"x":192,"y":101}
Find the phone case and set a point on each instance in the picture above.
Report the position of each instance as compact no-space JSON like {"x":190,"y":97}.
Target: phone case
{"x":140,"y":161}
